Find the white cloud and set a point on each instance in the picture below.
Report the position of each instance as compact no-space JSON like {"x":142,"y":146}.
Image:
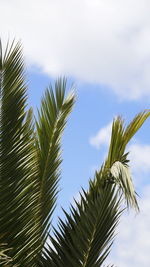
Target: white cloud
{"x":132,"y":244}
{"x":102,"y":41}
{"x":102,"y":137}
{"x":140,"y":157}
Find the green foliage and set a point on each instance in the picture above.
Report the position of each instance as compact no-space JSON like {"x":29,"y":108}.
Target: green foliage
{"x":30,"y":158}
{"x":86,"y":236}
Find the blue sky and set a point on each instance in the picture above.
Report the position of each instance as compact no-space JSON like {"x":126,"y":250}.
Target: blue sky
{"x":103,"y":47}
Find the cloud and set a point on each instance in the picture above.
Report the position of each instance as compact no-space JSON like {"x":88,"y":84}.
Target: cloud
{"x":132,"y":244}
{"x":105,"y":42}
{"x":140,"y":157}
{"x":102,"y":137}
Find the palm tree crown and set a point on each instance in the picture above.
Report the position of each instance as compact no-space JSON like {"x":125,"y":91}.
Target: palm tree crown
{"x":30,"y":158}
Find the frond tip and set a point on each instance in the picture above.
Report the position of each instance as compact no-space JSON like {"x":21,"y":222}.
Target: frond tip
{"x":122,"y":176}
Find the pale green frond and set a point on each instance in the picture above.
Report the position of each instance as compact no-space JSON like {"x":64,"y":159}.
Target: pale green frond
{"x":135,"y":125}
{"x":117,"y":141}
{"x":121,"y":136}
{"x":122,"y":176}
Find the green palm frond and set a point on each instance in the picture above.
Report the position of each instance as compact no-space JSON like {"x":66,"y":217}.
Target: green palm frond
{"x":86,"y":236}
{"x":17,"y":160}
{"x":50,"y":124}
{"x":30,"y":158}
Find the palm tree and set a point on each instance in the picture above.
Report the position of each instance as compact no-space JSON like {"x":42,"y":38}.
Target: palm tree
{"x":30,"y":158}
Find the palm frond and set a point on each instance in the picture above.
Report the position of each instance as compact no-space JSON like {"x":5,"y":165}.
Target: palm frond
{"x":116,"y":148}
{"x":86,"y":236}
{"x":135,"y":125}
{"x":121,"y":136}
{"x":17,"y":161}
{"x":29,"y":161}
{"x":50,"y":124}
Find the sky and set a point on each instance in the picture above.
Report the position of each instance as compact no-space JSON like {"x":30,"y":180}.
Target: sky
{"x":103,"y":47}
